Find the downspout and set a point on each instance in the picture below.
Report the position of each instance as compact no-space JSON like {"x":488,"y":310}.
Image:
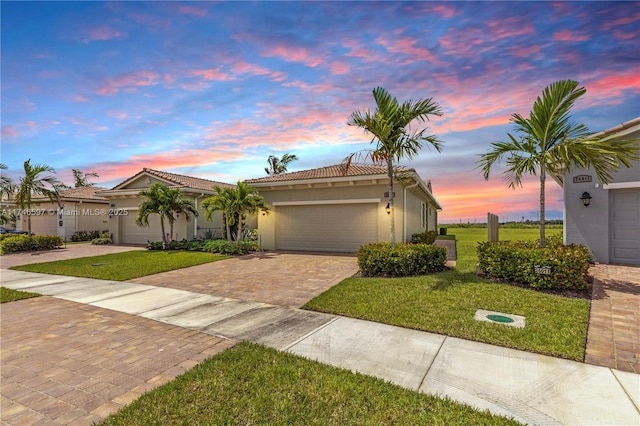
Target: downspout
{"x":404,"y":210}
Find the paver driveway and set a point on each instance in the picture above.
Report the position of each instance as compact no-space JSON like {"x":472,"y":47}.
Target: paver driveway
{"x":279,"y":278}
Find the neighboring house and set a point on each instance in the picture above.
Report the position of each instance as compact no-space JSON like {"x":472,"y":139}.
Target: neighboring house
{"x":326,"y":209}
{"x":77,"y":209}
{"x":610,"y":224}
{"x":124,"y":200}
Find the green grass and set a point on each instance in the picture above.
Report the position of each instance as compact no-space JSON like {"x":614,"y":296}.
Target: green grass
{"x":9,"y":295}
{"x":251,"y":384}
{"x":123,"y":266}
{"x":445,"y":303}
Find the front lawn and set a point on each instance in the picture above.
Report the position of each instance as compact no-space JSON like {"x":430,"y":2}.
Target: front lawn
{"x":250,"y":384}
{"x":123,"y":266}
{"x":445,"y":303}
{"x":10,"y":295}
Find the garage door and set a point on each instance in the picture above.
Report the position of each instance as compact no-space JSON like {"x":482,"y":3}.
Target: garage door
{"x":326,"y":227}
{"x":625,"y":226}
{"x":131,"y":233}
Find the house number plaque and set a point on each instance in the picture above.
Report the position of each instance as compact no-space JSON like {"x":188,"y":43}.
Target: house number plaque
{"x":582,"y":178}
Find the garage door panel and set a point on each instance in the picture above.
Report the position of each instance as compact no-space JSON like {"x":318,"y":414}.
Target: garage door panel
{"x":131,"y":233}
{"x":336,"y":227}
{"x":625,"y":226}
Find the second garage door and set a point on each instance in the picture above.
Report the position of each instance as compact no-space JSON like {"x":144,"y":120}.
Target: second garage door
{"x":625,"y":226}
{"x":326,"y":227}
{"x":131,"y":233}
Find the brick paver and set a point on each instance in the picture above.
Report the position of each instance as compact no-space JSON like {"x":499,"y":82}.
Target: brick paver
{"x":614,"y":324}
{"x":279,"y":278}
{"x":71,"y":251}
{"x":68,"y":363}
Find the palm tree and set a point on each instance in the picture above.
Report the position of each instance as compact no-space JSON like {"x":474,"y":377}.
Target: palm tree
{"x":279,"y":165}
{"x":549,"y":142}
{"x":6,"y":188}
{"x":166,"y":202}
{"x":389,"y":125}
{"x":82,"y":179}
{"x":234,"y":204}
{"x":32,"y":183}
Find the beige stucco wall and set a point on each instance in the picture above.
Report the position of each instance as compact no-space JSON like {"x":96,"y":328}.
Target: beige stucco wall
{"x":50,"y":219}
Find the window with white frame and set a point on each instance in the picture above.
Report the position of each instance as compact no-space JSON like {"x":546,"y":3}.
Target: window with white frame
{"x":423,"y":215}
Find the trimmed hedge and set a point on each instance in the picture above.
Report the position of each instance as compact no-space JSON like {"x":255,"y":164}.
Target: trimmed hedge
{"x":11,"y":243}
{"x":211,"y":246}
{"x":526,"y":262}
{"x":381,"y":259}
{"x":424,"y":237}
{"x":87,"y":235}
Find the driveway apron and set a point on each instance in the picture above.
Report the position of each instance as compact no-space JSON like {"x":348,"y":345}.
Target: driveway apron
{"x":278,"y":278}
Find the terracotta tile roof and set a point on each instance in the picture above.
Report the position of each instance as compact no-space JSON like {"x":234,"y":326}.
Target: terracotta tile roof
{"x":335,"y":171}
{"x":83,"y":193}
{"x":179,"y":180}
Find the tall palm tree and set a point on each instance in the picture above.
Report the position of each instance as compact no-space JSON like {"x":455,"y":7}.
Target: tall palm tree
{"x":33,"y":183}
{"x":390,"y":126}
{"x":82,"y":179}
{"x":6,"y":188}
{"x":279,"y":165}
{"x":549,"y":142}
{"x":166,"y":202}
{"x":234,"y":204}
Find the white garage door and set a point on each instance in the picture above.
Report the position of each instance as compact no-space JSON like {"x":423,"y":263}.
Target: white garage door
{"x":625,"y":226}
{"x":326,"y":227}
{"x":131,"y":233}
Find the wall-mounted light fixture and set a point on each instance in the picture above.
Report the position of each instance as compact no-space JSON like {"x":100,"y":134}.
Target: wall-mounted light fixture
{"x":388,"y":209}
{"x":586,"y":199}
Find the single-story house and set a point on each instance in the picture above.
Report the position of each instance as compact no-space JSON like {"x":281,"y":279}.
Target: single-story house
{"x":77,"y":209}
{"x":605,"y":217}
{"x":124,"y":200}
{"x":337,"y":209}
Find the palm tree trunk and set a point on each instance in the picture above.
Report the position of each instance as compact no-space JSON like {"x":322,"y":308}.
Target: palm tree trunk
{"x":164,"y":237}
{"x":542,"y":200}
{"x":226,"y":223}
{"x":239,"y":229}
{"x":391,"y":196}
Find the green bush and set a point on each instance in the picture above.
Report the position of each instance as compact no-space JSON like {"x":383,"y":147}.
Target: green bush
{"x":381,"y":259}
{"x":224,"y":247}
{"x":193,"y":245}
{"x":14,"y":243}
{"x":87,"y":235}
{"x":522,"y":262}
{"x":424,"y":237}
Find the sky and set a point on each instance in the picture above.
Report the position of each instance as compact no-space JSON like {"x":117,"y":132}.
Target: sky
{"x":211,"y":89}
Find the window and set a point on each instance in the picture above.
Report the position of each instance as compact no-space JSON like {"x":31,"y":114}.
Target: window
{"x":423,"y":215}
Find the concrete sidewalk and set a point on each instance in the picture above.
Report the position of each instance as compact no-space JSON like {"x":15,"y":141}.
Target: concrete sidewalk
{"x":534,"y":389}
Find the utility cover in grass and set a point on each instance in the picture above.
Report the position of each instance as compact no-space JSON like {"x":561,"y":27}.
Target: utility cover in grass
{"x":500,"y":318}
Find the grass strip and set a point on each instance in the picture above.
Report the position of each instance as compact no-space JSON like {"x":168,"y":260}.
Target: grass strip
{"x":251,"y":384}
{"x":10,"y":295}
{"x":123,"y":266}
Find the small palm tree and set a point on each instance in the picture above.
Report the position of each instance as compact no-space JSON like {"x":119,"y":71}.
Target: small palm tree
{"x":82,"y":179}
{"x":389,"y":125}
{"x":33,"y":183}
{"x":166,"y":202}
{"x":6,"y":189}
{"x":549,"y":142}
{"x":279,"y":165}
{"x":234,"y":204}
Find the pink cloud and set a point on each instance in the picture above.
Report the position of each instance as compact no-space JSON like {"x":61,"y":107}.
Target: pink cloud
{"x":339,"y":67}
{"x":610,"y":88}
{"x":191,"y":10}
{"x":80,"y":98}
{"x":406,"y":46}
{"x":195,"y":86}
{"x":446,"y":11}
{"x":464,"y":42}
{"x":130,"y":80}
{"x":623,"y":36}
{"x":509,"y":27}
{"x":525,"y":52}
{"x":212,"y":74}
{"x":101,"y":33}
{"x":607,"y":25}
{"x":9,"y":131}
{"x":568,"y":35}
{"x":295,"y":54}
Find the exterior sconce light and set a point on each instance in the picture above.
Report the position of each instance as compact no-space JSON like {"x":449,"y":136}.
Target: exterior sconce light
{"x":388,"y":209}
{"x":586,"y":199}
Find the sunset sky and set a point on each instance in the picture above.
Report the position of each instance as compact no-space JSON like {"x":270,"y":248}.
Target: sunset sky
{"x":211,"y":89}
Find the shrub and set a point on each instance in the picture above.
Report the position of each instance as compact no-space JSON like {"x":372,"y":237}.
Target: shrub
{"x":87,"y":235}
{"x":223,"y":247}
{"x":380,"y":259}
{"x":520,"y":262}
{"x":14,"y":243}
{"x":424,"y":237}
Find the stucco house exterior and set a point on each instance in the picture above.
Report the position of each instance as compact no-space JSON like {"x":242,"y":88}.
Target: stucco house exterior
{"x":77,"y":209}
{"x":123,"y":202}
{"x":328,"y":209}
{"x":610,"y":224}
